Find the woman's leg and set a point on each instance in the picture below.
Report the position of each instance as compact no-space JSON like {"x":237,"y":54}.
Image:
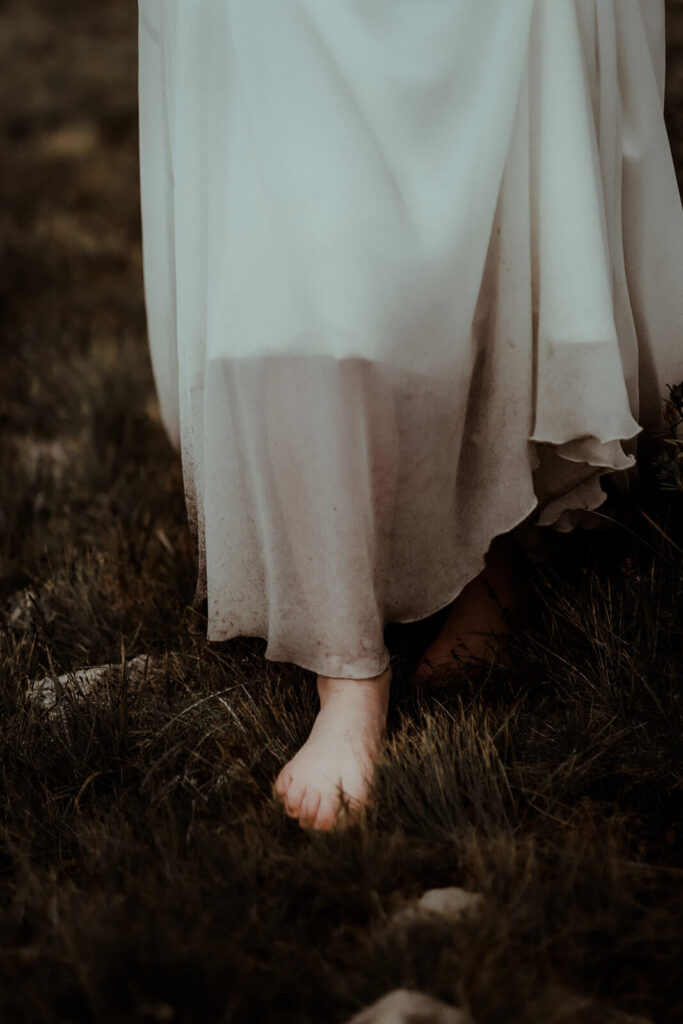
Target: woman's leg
{"x":333,"y":463}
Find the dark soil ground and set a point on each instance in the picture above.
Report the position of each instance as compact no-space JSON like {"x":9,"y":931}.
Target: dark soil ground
{"x":147,"y":873}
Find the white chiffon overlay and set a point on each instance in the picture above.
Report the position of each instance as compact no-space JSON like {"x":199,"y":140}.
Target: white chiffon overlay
{"x":412,"y":273}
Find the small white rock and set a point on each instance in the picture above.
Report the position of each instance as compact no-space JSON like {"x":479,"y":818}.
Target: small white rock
{"x":450,"y":903}
{"x":19,"y":610}
{"x":82,"y":681}
{"x":58,"y":453}
{"x":403,"y":1006}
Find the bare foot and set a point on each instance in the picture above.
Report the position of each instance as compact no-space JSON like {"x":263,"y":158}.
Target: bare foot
{"x":491,"y":605}
{"x":338,"y":757}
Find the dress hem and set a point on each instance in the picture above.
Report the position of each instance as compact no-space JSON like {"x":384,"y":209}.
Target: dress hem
{"x":338,"y":670}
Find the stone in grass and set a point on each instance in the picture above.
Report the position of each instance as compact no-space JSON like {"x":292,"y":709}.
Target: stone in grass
{"x":404,"y":1006}
{"x":617,"y":1017}
{"x":19,"y":610}
{"x":450,"y":904}
{"x":82,"y":681}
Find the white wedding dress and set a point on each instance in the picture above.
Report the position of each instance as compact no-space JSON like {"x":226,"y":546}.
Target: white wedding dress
{"x":412,"y":272}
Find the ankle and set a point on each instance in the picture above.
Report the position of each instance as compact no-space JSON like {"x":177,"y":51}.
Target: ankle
{"x":372,"y":693}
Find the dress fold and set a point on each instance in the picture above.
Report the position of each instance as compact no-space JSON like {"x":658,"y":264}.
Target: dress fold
{"x":412,"y":275}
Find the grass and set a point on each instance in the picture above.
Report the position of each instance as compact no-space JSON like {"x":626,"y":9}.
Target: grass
{"x":147,"y":873}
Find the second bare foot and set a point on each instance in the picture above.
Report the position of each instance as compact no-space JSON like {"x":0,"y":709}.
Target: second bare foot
{"x":491,"y":605}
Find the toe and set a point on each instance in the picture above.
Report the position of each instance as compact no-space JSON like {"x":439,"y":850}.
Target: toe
{"x":309,"y":807}
{"x":327,"y":814}
{"x":283,"y":781}
{"x":294,"y":798}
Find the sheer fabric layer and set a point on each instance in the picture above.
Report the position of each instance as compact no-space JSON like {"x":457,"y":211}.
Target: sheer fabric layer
{"x":411,"y":275}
